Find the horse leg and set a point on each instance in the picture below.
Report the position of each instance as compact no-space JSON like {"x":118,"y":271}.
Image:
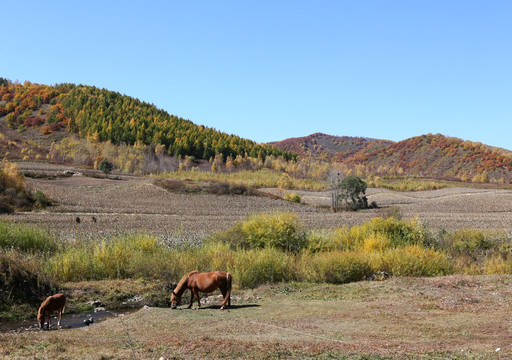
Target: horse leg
{"x":59,"y":316}
{"x":223,"y":291}
{"x":198,"y":298}
{"x":191,"y":299}
{"x":226,"y":293}
{"x":49,"y":320}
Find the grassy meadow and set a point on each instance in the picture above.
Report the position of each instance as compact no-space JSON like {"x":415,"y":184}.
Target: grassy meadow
{"x":265,"y":248}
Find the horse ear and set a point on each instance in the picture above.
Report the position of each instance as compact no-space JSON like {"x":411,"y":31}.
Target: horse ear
{"x":173,"y":286}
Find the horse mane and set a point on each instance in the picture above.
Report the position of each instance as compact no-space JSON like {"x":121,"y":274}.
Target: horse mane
{"x":181,"y":287}
{"x":42,"y":308}
{"x":44,"y":304}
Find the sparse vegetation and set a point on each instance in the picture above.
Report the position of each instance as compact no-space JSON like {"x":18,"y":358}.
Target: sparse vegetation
{"x":13,"y":192}
{"x":263,"y":178}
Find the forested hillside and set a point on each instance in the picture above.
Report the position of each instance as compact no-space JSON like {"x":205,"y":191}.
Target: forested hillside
{"x":102,"y":115}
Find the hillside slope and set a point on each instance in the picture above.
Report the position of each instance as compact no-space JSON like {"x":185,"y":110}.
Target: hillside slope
{"x":426,"y":155}
{"x":102,"y":115}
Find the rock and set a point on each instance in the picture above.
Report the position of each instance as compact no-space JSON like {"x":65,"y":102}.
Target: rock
{"x":135,"y":299}
{"x":146,"y":307}
{"x":89,"y":321}
{"x":96,"y":303}
{"x":98,"y":309}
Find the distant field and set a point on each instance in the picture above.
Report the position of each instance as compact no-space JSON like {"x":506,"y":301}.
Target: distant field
{"x":135,"y":204}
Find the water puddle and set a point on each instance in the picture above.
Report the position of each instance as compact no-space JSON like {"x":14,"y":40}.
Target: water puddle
{"x":69,"y":321}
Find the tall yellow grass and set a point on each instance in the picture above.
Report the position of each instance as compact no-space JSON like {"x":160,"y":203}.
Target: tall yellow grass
{"x":396,"y":247}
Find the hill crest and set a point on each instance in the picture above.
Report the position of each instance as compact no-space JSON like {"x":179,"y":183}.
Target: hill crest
{"x":430,"y":155}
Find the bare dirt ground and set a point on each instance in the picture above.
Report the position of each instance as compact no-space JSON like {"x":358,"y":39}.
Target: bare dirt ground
{"x":133,"y":203}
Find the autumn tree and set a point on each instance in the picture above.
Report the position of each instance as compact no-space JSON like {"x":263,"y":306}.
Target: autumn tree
{"x":351,"y":191}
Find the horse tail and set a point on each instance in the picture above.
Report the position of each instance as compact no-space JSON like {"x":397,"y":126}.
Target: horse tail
{"x":228,"y":292}
{"x":229,"y":278}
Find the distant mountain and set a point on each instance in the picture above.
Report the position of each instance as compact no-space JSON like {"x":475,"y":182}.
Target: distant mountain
{"x":328,"y":147}
{"x":426,"y":155}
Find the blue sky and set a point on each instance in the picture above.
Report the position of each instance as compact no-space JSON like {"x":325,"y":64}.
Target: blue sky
{"x":270,"y":70}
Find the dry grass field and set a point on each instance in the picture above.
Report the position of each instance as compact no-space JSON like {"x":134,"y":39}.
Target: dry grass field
{"x":134,"y":203}
{"x":453,"y":317}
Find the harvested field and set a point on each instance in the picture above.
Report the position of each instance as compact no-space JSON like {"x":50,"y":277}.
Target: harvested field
{"x":134,"y":203}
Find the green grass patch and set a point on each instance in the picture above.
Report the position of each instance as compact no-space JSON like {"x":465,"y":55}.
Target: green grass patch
{"x":26,"y":238}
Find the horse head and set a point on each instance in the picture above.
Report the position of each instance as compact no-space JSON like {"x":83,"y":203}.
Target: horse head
{"x":175,"y":299}
{"x":40,"y":319}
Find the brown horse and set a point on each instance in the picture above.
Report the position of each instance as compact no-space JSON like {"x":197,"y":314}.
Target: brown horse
{"x":204,"y":282}
{"x":52,"y":303}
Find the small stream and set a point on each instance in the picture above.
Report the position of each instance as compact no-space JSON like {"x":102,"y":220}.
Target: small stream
{"x":69,"y":321}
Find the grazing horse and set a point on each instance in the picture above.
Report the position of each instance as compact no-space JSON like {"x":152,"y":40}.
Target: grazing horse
{"x":52,"y":303}
{"x":204,"y":282}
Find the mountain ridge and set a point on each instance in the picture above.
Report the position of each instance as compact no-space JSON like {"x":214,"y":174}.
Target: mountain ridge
{"x":430,"y":155}
{"x":33,"y":113}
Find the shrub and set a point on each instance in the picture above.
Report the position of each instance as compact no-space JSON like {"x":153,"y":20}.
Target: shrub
{"x":398,"y":232}
{"x":497,"y":265}
{"x":280,"y":230}
{"x":116,"y":258}
{"x":285,"y":182}
{"x":414,"y":260}
{"x":21,"y":279}
{"x":260,"y":266}
{"x":293,"y":197}
{"x":474,"y":243}
{"x":318,"y":241}
{"x":336,"y":267}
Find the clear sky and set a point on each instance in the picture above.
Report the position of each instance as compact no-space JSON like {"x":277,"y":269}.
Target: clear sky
{"x":270,"y":70}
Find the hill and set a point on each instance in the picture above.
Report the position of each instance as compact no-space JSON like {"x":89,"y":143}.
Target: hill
{"x":46,"y":113}
{"x":436,"y":156}
{"x":328,"y":147}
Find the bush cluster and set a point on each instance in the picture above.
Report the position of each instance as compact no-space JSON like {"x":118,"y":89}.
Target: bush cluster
{"x":265,"y":248}
{"x":280,"y":230}
{"x":13,"y":192}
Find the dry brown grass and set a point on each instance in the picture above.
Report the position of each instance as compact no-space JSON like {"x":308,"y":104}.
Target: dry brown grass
{"x":455,"y":317}
{"x":458,"y":317}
